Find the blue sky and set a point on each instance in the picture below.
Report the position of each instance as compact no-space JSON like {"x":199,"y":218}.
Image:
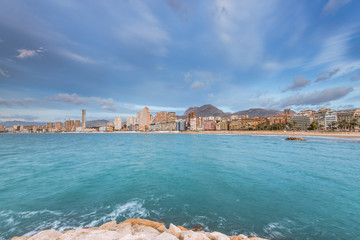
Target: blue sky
{"x":115,"y":57}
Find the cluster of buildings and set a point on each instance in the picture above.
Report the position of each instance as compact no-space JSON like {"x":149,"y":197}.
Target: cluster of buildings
{"x":323,"y":119}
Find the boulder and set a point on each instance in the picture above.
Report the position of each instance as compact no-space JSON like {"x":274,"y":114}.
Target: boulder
{"x":218,"y":236}
{"x":166,"y":236}
{"x":191,"y":235}
{"x":50,"y":234}
{"x":144,"y":222}
{"x":109,"y":226}
{"x":174,"y":230}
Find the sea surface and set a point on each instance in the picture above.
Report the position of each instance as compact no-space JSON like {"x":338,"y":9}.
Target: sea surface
{"x":234,"y":184}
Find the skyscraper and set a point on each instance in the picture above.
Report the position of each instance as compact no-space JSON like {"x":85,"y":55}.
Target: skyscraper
{"x":143,"y":118}
{"x":118,"y":123}
{"x":83,"y":123}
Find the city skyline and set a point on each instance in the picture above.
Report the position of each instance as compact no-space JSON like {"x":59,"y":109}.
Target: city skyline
{"x":115,"y":58}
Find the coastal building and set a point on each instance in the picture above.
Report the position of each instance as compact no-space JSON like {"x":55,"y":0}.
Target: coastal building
{"x":58,"y":126}
{"x":161,"y":117}
{"x":234,"y":117}
{"x":2,"y":128}
{"x":330,"y":117}
{"x":171,"y":117}
{"x":181,"y":125}
{"x":300,"y":121}
{"x":193,"y":124}
{"x":280,"y":118}
{"x":49,"y":125}
{"x":83,"y":119}
{"x":170,"y":126}
{"x":190,"y":116}
{"x":143,"y":118}
{"x":348,"y":115}
{"x":209,"y":126}
{"x":77,"y":124}
{"x":130,"y":121}
{"x":118,"y":123}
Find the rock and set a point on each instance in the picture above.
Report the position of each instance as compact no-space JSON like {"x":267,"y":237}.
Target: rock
{"x":239,"y":237}
{"x":109,"y":225}
{"x":124,"y":229}
{"x":166,"y":236}
{"x":218,"y":236}
{"x":21,"y":238}
{"x":197,"y":227}
{"x":182,"y":228}
{"x":144,"y":222}
{"x":46,"y":235}
{"x":174,"y":230}
{"x":162,"y":228}
{"x":191,"y":235}
{"x":140,"y":230}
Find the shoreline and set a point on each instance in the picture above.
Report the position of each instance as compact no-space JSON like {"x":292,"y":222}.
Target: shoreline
{"x":355,"y":135}
{"x":135,"y":229}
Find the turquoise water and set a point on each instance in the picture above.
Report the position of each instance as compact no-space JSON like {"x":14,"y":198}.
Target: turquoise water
{"x":234,"y":184}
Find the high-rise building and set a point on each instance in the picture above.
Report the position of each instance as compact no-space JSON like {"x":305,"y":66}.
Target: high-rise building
{"x":58,"y":126}
{"x":161,"y":117}
{"x":83,"y":119}
{"x":171,"y":117}
{"x":143,"y":118}
{"x":118,"y":123}
{"x":130,"y":121}
{"x":77,"y":123}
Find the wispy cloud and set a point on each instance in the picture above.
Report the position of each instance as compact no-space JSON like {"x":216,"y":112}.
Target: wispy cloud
{"x":333,"y":50}
{"x":315,"y":98}
{"x":333,"y":5}
{"x":326,"y":75}
{"x":201,"y":79}
{"x":181,"y":8}
{"x":299,"y":82}
{"x":144,"y":30}
{"x":105,"y":103}
{"x":4,"y":73}
{"x":17,"y":101}
{"x":20,"y":117}
{"x":28,"y":53}
{"x":76,"y":57}
{"x":355,"y":77}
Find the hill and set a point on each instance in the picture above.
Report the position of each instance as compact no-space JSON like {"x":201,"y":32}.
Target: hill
{"x":24,"y":123}
{"x":259,"y":112}
{"x":210,"y":110}
{"x":96,"y":123}
{"x":205,"y":111}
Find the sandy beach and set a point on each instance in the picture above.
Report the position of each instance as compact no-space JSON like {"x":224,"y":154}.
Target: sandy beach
{"x":283,"y":133}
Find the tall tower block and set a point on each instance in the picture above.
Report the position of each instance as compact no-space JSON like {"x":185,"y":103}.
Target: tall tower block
{"x":83,"y":120}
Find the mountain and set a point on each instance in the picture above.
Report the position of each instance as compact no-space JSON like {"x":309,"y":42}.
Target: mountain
{"x":258,"y":112}
{"x":24,"y":123}
{"x":210,"y":110}
{"x":96,"y":123}
{"x":205,"y":111}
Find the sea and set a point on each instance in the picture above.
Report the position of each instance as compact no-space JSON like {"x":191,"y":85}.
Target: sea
{"x":234,"y":184}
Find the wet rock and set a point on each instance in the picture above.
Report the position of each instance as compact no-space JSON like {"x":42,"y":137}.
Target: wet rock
{"x":144,"y":222}
{"x":197,"y":227}
{"x":162,"y":228}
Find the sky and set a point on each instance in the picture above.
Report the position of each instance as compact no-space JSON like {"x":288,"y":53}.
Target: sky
{"x":115,"y":57}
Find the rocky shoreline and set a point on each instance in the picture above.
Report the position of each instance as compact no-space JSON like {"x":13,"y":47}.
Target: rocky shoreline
{"x":134,"y":229}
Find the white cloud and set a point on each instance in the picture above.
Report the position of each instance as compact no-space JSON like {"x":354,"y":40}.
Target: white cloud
{"x":333,"y":5}
{"x":4,"y":73}
{"x":28,"y":53}
{"x":333,"y":50}
{"x":105,"y":103}
{"x":198,"y":85}
{"x":76,"y":57}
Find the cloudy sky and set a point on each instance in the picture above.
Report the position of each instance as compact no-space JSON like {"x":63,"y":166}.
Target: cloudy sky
{"x":115,"y":57}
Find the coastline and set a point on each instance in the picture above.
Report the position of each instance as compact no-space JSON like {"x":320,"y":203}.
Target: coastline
{"x":249,"y":133}
{"x":136,"y":229}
